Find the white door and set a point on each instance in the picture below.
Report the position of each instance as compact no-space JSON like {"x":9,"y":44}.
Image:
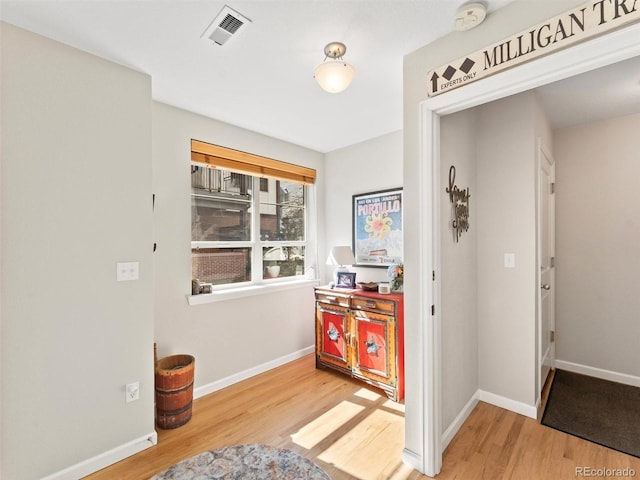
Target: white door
{"x":546,"y":262}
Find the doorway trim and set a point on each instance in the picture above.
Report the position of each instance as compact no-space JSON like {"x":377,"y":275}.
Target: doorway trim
{"x":601,"y":51}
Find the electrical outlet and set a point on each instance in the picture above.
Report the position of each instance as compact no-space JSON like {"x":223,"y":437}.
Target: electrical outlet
{"x":132,"y":391}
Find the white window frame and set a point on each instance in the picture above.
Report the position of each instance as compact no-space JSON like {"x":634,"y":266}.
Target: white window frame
{"x":259,"y":285}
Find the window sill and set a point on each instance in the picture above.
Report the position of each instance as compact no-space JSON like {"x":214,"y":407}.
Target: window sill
{"x":243,"y":292}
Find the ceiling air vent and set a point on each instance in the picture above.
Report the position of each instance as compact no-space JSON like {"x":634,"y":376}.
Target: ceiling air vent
{"x":225,"y":25}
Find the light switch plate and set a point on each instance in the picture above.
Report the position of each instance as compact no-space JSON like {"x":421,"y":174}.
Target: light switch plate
{"x":127,"y":271}
{"x":509,"y":260}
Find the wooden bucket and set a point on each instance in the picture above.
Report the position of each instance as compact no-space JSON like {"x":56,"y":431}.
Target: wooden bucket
{"x":174,"y":390}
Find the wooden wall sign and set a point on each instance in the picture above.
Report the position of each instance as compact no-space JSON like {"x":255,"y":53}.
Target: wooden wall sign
{"x":574,"y":26}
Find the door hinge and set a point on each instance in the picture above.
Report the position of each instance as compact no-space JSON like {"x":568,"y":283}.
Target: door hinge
{"x":552,"y":336}
{"x":433,"y":275}
{"x":553,"y":187}
{"x":433,"y":309}
{"x":552,"y":262}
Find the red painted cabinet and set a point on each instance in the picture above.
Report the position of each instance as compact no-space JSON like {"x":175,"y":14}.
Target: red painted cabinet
{"x":333,"y":343}
{"x":361,"y":334}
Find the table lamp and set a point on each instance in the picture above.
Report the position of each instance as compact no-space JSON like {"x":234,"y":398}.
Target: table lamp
{"x":340,"y":256}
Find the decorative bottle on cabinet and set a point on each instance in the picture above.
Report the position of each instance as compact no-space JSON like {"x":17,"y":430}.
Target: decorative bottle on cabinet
{"x":361,"y":334}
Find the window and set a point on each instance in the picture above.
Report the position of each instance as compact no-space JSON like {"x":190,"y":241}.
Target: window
{"x":246,"y":228}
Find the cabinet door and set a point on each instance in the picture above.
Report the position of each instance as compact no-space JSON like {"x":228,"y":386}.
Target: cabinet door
{"x":331,"y":326}
{"x":375,"y":348}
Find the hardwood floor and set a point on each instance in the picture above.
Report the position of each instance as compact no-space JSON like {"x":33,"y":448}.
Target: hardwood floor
{"x":355,"y":432}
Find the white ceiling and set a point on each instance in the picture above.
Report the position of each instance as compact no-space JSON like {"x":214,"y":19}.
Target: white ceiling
{"x":608,"y":92}
{"x":262,"y":78}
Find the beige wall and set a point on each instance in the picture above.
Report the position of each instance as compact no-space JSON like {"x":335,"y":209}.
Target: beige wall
{"x":494,"y":149}
{"x":83,"y":149}
{"x":1,"y":263}
{"x":598,"y":252}
{"x":460,"y":261}
{"x":76,"y":199}
{"x":506,"y":224}
{"x":226,"y":337}
{"x":364,"y":167}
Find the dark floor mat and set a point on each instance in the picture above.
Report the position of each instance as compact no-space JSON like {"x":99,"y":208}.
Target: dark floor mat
{"x":597,"y":410}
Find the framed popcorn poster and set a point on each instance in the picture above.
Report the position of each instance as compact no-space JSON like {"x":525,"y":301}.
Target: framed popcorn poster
{"x":377,"y":228}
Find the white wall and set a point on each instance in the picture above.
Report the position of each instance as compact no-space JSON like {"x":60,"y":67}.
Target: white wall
{"x":227,"y":337}
{"x":364,"y":167}
{"x":598,"y":253}
{"x":460,"y":267}
{"x":76,"y":199}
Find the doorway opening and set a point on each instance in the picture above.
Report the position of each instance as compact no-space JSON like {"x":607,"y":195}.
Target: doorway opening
{"x":612,"y":48}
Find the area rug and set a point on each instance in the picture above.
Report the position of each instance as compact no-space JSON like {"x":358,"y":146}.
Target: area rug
{"x":597,"y":410}
{"x":245,"y":462}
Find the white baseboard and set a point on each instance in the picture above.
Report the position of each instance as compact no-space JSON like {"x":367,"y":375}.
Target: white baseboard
{"x":508,"y":404}
{"x":412,"y":459}
{"x":415,"y":461}
{"x":598,"y":373}
{"x":105,"y":459}
{"x":488,"y":397}
{"x":452,"y":429}
{"x":251,"y":372}
{"x":121,"y":452}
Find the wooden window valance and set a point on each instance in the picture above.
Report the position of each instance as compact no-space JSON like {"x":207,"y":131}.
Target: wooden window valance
{"x":221,"y":157}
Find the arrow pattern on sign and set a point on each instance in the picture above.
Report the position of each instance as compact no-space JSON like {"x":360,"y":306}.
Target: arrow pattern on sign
{"x":450,"y":72}
{"x":574,"y":26}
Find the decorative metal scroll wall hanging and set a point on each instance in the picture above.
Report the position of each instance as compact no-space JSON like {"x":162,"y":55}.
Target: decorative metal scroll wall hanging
{"x":459,"y":205}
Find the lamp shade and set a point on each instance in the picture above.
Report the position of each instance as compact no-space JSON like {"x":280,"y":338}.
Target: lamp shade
{"x":340,"y":255}
{"x":334,"y":76}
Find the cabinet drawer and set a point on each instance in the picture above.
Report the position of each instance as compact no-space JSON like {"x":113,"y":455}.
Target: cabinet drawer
{"x":373,"y":304}
{"x":332,"y":299}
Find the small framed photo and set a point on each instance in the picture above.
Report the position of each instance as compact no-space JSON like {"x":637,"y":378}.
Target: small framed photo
{"x":346,"y":280}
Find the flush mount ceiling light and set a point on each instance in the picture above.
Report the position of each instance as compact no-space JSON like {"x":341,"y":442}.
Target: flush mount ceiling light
{"x":470,"y":15}
{"x":335,"y":75}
